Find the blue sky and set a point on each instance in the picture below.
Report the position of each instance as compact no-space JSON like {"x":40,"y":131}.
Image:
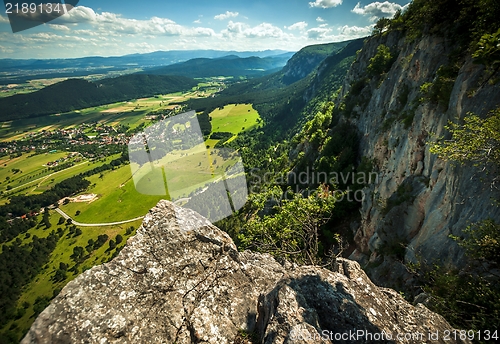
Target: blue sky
{"x":117,"y":27}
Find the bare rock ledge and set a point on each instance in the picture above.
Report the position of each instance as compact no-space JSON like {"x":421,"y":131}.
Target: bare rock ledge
{"x":181,"y":280}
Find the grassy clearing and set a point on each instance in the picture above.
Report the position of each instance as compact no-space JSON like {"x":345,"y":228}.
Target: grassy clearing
{"x":234,"y":118}
{"x":58,"y":177}
{"x":32,"y":167}
{"x":210,"y":143}
{"x":187,"y":171}
{"x":118,"y":199}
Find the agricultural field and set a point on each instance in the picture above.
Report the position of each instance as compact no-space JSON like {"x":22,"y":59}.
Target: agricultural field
{"x":37,"y":83}
{"x":29,"y":174}
{"x":27,"y":87}
{"x":27,"y":165}
{"x":130,"y":113}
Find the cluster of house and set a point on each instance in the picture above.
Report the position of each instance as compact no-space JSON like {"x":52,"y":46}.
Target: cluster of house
{"x":74,"y":156}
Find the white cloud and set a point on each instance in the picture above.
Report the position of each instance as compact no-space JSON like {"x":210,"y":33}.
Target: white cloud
{"x":325,"y":3}
{"x":201,"y":31}
{"x":226,"y":15}
{"x":320,"y":20}
{"x":238,"y":31}
{"x":114,"y":25}
{"x":356,"y":31}
{"x":234,"y":28}
{"x":377,"y":9}
{"x":197,"y":21}
{"x":4,"y":19}
{"x":6,"y":50}
{"x":326,"y":34}
{"x":264,"y":30}
{"x":297,"y":26}
{"x":319,"y":33}
{"x":59,"y":27}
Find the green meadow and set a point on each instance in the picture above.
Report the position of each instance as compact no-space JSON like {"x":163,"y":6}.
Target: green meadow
{"x":175,"y":176}
{"x":234,"y":118}
{"x":118,"y":199}
{"x":35,"y":177}
{"x":28,"y":165}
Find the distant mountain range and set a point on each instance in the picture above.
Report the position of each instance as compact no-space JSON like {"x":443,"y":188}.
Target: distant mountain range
{"x":157,"y":58}
{"x":270,"y":74}
{"x":280,"y":96}
{"x":19,"y":70}
{"x":230,"y":65}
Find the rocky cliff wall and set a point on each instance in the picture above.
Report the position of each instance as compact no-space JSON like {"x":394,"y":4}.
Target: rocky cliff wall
{"x":181,"y":280}
{"x":418,"y":200}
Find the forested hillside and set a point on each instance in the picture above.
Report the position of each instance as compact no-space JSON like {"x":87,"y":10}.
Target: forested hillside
{"x":281,"y":104}
{"x":74,"y":94}
{"x":307,"y":59}
{"x":419,"y":108}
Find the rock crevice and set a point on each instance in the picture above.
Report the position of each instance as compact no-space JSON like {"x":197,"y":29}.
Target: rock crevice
{"x":181,"y":280}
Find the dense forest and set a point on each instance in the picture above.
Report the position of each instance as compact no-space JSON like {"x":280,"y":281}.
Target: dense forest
{"x":320,"y":136}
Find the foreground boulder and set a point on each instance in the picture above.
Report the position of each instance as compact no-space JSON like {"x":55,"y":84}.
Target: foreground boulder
{"x":181,"y":280}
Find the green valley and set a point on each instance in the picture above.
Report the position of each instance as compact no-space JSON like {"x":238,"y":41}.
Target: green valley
{"x":381,"y":149}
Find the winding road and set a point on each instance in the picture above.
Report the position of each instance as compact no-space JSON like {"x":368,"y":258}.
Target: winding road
{"x":66,"y":216}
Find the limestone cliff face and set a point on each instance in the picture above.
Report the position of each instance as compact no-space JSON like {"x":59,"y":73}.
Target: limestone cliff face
{"x":181,"y":280}
{"x":429,"y":199}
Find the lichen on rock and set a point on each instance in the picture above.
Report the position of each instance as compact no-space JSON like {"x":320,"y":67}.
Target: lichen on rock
{"x":181,"y":280}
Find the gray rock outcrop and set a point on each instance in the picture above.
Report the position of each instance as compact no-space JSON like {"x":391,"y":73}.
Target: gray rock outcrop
{"x":181,"y":280}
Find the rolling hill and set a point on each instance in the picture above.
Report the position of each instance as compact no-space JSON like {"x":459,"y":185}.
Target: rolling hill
{"x":22,"y":70}
{"x":73,"y":94}
{"x":230,"y":65}
{"x":280,"y":102}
